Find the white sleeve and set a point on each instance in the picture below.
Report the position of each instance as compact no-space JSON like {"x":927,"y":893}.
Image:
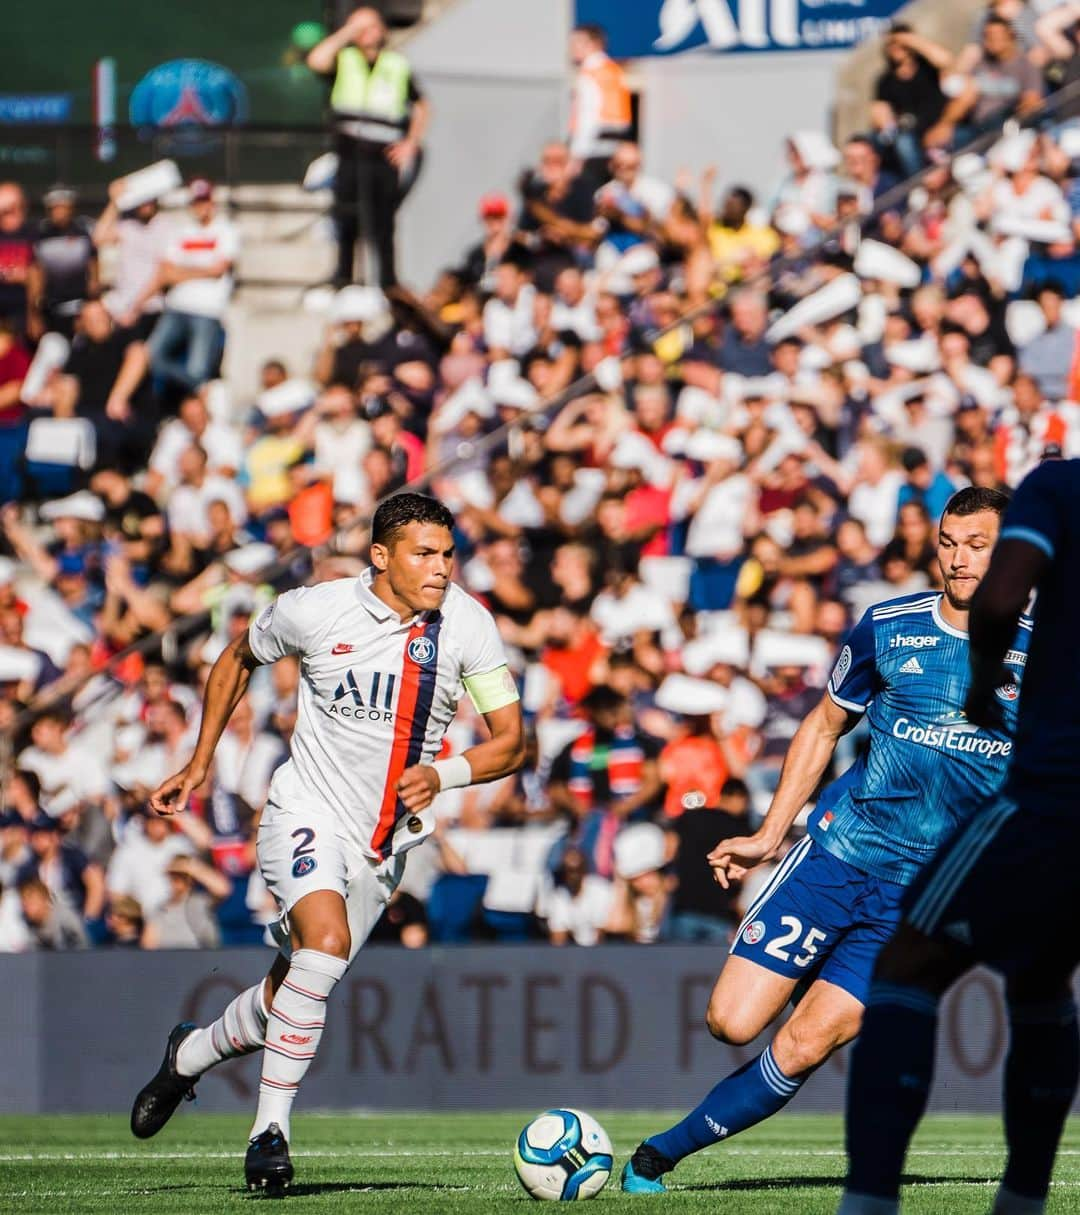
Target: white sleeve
{"x":228,"y":243}
{"x":498,"y":326}
{"x":280,"y":628}
{"x":586,"y":117}
{"x":483,"y":649}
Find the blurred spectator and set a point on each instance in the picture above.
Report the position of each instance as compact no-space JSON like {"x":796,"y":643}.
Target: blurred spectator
{"x":124,"y":923}
{"x":105,"y":380}
{"x":17,"y":263}
{"x":197,"y":277}
{"x":579,"y":905}
{"x":701,"y":911}
{"x":557,"y":215}
{"x":50,"y":923}
{"x":186,"y":919}
{"x":1048,"y":358}
{"x":142,"y":237}
{"x":642,"y":892}
{"x":601,"y":115}
{"x":908,"y":97}
{"x":140,"y":865}
{"x":65,"y":271}
{"x":380,"y":116}
{"x":478,"y":268}
{"x":64,"y":869}
{"x":1001,"y":79}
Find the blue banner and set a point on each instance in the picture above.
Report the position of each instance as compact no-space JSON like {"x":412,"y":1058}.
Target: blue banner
{"x":668,"y":27}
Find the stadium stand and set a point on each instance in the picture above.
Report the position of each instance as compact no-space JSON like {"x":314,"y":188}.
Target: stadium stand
{"x":688,"y":438}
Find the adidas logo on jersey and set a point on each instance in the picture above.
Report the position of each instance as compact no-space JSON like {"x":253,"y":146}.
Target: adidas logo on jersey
{"x":912,"y":667}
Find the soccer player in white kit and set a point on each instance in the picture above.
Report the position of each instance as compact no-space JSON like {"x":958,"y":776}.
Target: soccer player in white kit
{"x":384,"y":661}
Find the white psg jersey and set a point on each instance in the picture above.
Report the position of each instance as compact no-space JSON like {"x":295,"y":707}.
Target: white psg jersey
{"x":376,"y":696}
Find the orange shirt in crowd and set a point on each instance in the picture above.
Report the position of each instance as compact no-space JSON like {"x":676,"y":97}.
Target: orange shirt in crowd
{"x":695,"y":764}
{"x":571,"y":666}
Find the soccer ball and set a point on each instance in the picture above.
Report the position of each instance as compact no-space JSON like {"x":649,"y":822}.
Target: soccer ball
{"x":563,"y":1155}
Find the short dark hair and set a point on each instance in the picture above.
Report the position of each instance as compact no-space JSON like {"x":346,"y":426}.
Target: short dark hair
{"x":602,"y":699}
{"x":745,"y":196}
{"x":397,"y":512}
{"x":734,"y":787}
{"x":995,"y":19}
{"x":975,"y":498}
{"x":596,"y":33}
{"x":31,"y":780}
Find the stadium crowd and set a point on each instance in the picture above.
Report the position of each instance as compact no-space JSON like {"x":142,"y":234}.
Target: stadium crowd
{"x":673,"y":555}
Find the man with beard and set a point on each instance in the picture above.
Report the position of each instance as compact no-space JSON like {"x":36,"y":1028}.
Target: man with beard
{"x":819,"y":922}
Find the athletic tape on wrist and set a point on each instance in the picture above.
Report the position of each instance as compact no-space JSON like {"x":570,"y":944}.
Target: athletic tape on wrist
{"x":454,"y":773}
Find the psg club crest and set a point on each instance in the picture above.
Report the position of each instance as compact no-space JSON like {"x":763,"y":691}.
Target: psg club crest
{"x":303,"y":865}
{"x":421,"y":650}
{"x":186,"y":96}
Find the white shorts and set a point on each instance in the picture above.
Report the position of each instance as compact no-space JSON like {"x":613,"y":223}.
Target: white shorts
{"x":301,"y":851}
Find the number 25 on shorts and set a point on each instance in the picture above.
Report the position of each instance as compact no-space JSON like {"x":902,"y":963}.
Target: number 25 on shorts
{"x":303,"y":862}
{"x":792,"y":927}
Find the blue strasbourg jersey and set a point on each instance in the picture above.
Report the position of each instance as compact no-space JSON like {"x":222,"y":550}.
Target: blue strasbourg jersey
{"x":1045,"y":770}
{"x":927,"y":768}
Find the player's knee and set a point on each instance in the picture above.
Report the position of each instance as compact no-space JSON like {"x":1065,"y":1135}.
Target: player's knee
{"x":333,"y":941}
{"x":730,"y":1025}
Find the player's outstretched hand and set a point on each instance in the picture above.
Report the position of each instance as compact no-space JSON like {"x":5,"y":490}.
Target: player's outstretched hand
{"x":731,"y":858}
{"x":172,"y":794}
{"x":418,"y":786}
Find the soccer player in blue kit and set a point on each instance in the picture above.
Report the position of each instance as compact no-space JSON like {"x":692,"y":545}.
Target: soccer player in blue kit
{"x":960,"y":913}
{"x":835,"y":899}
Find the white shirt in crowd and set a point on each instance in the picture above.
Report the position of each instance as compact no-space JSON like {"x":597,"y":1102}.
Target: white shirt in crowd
{"x":140,"y":249}
{"x":584,"y":916}
{"x":138,"y":867}
{"x":196,"y":247}
{"x":188,"y":505}
{"x":364,"y":675}
{"x":640,"y":609}
{"x":222,"y":443}
{"x":245,"y":769}
{"x":78,"y":775}
{"x":340,"y":449}
{"x":1041,"y":200}
{"x":875,"y":506}
{"x":716,"y":530}
{"x":509,"y":327}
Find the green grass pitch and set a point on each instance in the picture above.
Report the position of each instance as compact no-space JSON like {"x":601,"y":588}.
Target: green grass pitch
{"x":446,"y":1164}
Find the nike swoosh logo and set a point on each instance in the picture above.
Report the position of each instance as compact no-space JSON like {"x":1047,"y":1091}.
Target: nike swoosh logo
{"x":342,"y":648}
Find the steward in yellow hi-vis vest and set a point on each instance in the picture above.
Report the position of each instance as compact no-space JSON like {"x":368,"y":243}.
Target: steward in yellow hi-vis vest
{"x":379,"y":118}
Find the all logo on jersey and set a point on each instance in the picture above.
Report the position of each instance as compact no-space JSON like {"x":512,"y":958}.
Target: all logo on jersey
{"x":374,"y":703}
{"x":912,"y":667}
{"x":421,"y":650}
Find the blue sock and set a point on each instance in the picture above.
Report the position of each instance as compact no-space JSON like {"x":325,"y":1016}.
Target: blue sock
{"x":891,"y":1069}
{"x":748,"y":1096}
{"x":1041,"y":1074}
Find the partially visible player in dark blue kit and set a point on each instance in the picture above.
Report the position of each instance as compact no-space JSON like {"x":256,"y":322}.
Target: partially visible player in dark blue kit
{"x":959,"y":912}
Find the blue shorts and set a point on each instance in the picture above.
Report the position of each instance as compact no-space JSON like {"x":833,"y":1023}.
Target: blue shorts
{"x":820,"y":918}
{"x":1006,"y":889}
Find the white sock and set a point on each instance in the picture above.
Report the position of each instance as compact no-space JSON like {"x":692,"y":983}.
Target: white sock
{"x":293,"y":1031}
{"x":239,"y":1030}
{"x":1008,"y":1203}
{"x":866,"y":1204}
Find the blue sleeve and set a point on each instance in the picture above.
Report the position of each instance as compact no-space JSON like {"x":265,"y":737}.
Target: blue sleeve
{"x":854,"y":679}
{"x":1035,"y":514}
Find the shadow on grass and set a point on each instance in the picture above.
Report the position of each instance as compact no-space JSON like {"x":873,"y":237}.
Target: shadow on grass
{"x":308,"y":1189}
{"x":824,"y":1183}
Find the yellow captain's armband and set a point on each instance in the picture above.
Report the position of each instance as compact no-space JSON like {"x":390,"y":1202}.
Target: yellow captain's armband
{"x":492,"y":690}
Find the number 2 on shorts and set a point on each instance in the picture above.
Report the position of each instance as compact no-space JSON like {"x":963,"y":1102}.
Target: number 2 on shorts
{"x":303,"y":848}
{"x":793,"y":925}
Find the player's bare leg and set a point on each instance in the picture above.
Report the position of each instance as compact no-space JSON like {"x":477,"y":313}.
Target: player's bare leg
{"x":319,"y":929}
{"x":746,"y":1000}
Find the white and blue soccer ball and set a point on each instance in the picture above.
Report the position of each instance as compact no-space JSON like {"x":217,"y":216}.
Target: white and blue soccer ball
{"x":562,"y":1156}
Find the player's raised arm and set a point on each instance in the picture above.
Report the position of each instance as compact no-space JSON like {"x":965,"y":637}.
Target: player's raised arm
{"x":805,"y":764}
{"x":225,"y":688}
